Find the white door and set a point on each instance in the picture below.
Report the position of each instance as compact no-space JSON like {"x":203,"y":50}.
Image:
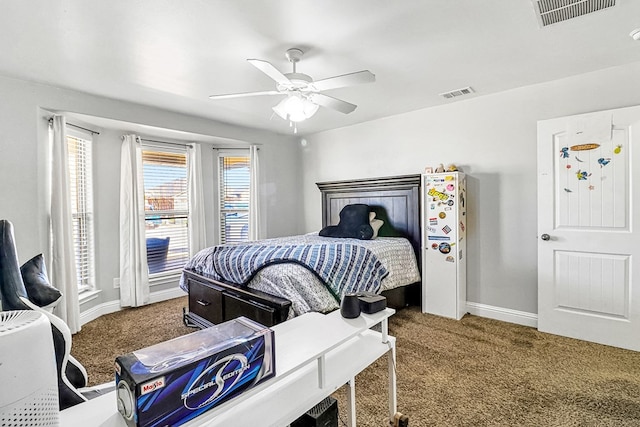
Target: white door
{"x":588,"y":211}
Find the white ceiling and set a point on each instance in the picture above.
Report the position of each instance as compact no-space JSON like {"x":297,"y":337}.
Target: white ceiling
{"x":172,"y":54}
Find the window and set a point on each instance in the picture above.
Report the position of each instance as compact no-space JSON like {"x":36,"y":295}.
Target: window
{"x":166,"y":208}
{"x":234,"y":182}
{"x":81,"y":195}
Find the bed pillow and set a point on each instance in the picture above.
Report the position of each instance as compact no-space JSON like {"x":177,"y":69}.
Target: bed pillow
{"x":36,"y":282}
{"x":375,"y":225}
{"x":354,"y":223}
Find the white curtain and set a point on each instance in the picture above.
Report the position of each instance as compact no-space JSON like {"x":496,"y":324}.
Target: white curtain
{"x":254,"y":194}
{"x":134,"y":273}
{"x":197,"y":228}
{"x":63,"y":265}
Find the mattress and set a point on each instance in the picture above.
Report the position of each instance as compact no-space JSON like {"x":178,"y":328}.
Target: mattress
{"x":302,"y":286}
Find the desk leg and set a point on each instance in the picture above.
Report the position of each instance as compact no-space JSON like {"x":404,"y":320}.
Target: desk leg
{"x":351,"y":402}
{"x":321,"y":372}
{"x":384,"y":326}
{"x":391,"y":362}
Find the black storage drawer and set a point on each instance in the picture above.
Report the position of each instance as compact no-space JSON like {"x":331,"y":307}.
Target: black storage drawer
{"x":235,"y":306}
{"x":206,"y":301}
{"x":212,"y":302}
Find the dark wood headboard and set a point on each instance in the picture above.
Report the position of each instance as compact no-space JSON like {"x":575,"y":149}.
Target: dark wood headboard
{"x":395,"y":200}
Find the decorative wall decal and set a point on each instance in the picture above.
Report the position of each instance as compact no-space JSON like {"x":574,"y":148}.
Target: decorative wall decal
{"x":584,"y":147}
{"x":591,"y":177}
{"x":582,"y":175}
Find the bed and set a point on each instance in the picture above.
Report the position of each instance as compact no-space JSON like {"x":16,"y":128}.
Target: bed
{"x":284,"y":288}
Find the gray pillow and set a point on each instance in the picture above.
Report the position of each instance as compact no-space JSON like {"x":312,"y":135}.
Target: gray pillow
{"x":36,"y":282}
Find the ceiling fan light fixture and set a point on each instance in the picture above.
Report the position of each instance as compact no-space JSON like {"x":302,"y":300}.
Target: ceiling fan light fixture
{"x":295,"y":108}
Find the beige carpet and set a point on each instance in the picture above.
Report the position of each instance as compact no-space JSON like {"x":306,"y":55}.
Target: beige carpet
{"x":473,"y":372}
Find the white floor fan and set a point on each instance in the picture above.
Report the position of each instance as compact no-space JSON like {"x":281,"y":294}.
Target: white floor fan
{"x":303,"y":94}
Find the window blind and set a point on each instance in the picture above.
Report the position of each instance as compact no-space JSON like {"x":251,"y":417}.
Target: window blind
{"x":81,"y":194}
{"x":166,"y":209}
{"x":234,"y":185}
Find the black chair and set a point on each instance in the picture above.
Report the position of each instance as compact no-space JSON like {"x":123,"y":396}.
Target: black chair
{"x":72,"y":376}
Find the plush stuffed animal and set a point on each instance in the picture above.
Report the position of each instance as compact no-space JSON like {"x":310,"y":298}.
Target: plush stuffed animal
{"x":354,"y":223}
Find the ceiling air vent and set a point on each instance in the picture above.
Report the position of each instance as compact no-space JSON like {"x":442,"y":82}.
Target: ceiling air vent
{"x":554,"y":11}
{"x":456,"y":93}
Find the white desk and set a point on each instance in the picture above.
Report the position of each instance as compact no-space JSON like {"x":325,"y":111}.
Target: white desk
{"x":315,"y":355}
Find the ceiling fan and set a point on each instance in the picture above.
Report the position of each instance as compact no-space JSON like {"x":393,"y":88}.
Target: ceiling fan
{"x":303,"y":93}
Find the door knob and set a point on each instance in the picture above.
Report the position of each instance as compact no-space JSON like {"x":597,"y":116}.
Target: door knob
{"x":545,"y":237}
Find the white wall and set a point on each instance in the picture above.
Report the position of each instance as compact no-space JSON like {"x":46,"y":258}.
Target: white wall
{"x":491,"y":138}
{"x":24,"y":173}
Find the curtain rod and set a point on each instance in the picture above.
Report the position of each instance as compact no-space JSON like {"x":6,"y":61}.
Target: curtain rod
{"x":162,"y":142}
{"x":234,"y":148}
{"x":166,"y":142}
{"x":76,"y":126}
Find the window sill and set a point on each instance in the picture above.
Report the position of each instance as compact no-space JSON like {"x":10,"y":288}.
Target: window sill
{"x":87,"y":296}
{"x":165,"y":278}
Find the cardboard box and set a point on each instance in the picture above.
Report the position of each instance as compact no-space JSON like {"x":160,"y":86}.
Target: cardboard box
{"x":175,"y":381}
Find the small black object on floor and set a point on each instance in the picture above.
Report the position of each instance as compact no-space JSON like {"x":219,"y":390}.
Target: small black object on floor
{"x":324,"y":414}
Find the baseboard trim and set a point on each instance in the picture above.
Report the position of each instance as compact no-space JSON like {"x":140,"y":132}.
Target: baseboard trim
{"x":113,"y":306}
{"x":503,"y":314}
{"x":99,"y":310}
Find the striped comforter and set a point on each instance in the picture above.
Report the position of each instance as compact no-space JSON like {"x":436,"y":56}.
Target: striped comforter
{"x":342,"y":266}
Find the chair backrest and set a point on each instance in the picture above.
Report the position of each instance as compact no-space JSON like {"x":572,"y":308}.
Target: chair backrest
{"x":11,"y":284}
{"x":14,"y":297}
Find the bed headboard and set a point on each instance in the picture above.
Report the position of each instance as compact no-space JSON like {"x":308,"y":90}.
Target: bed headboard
{"x":395,"y":200}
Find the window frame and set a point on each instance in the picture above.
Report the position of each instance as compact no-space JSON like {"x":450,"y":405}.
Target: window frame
{"x":175,"y":148}
{"x":86,"y":282}
{"x":221,"y":154}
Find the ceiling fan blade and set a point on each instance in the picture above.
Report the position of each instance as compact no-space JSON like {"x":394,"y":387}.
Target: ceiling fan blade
{"x":241,"y":95}
{"x":331,"y":102}
{"x":356,"y":78}
{"x":269,"y":70}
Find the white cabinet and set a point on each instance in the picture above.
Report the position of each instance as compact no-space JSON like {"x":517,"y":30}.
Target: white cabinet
{"x":444,"y":285}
